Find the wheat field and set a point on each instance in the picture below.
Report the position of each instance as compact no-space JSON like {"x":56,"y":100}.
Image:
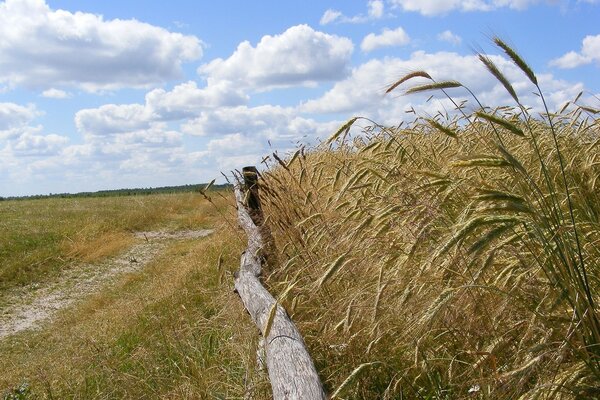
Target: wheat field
{"x":456,"y":257}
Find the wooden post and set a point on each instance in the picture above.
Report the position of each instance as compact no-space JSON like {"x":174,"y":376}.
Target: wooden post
{"x":250,"y":175}
{"x":291,"y":370}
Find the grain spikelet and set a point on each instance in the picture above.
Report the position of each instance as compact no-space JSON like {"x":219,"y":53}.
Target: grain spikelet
{"x":372,"y":146}
{"x":488,"y":238}
{"x":433,"y":86}
{"x":333,"y":268}
{"x":343,"y":129}
{"x":441,"y":128}
{"x":208,"y":186}
{"x":387,"y":212}
{"x":377,"y":174}
{"x":270,"y":319}
{"x":358,"y":175}
{"x":507,"y":206}
{"x":436,"y":182}
{"x":365,"y":223}
{"x":437,"y":305}
{"x":590,"y":109}
{"x":280,"y":161}
{"x":473,"y":224}
{"x":350,"y":379}
{"x":512,"y":160}
{"x":310,"y":218}
{"x":415,"y":74}
{"x":342,"y":205}
{"x":517,"y":60}
{"x":338,"y":173}
{"x":489,"y":64}
{"x":496,"y":195}
{"x":294,"y":157}
{"x":502,"y":122}
{"x":481,"y":161}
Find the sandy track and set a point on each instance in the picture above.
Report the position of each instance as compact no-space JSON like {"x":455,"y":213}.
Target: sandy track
{"x":30,"y":307}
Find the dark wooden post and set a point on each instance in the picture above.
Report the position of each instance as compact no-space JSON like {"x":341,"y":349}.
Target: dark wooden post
{"x":291,"y":370}
{"x":250,"y":175}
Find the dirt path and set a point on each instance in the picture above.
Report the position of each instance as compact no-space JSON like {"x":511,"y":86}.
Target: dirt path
{"x":30,"y":307}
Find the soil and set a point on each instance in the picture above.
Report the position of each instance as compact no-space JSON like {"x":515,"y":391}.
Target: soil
{"x":34,"y":305}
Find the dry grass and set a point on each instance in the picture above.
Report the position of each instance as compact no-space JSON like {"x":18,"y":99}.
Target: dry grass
{"x":38,"y":238}
{"x":450,"y":259}
{"x":175,"y":330}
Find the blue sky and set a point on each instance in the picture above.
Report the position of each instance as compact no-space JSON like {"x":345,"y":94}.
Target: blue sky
{"x":102,"y":95}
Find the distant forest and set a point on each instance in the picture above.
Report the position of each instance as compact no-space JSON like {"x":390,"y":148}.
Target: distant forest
{"x":124,"y":192}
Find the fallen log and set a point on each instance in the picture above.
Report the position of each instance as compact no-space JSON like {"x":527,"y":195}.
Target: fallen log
{"x":291,"y":370}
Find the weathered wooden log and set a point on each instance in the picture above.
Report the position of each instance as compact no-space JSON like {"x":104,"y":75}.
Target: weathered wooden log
{"x":291,"y":370}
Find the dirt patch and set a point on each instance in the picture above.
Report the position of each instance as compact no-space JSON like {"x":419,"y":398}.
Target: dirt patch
{"x":30,"y":307}
{"x":172,"y":235}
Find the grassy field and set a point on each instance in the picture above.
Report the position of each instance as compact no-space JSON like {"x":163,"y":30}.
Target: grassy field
{"x":40,"y":237}
{"x":175,"y":330}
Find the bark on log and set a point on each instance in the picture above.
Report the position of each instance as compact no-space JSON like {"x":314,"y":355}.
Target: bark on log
{"x":291,"y":370}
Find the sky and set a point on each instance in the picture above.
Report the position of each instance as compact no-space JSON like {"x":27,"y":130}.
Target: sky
{"x":105,"y":95}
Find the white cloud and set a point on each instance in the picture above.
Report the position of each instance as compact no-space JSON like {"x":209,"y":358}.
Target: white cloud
{"x":590,"y":52}
{"x":234,"y":144}
{"x":362,"y":93}
{"x":187,"y":100}
{"x":53,"y":93}
{"x":30,"y":144}
{"x":262,"y":123}
{"x":14,"y":116}
{"x":44,"y":48}
{"x":298,"y":56}
{"x":387,"y":38}
{"x":20,"y":137}
{"x":128,"y":139}
{"x":184,"y":101}
{"x":450,"y":37}
{"x":438,"y":7}
{"x":111,"y":119}
{"x":330,"y":16}
{"x":243,"y":135}
{"x":375,"y":10}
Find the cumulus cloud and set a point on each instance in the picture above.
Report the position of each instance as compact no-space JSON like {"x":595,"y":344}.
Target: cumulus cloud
{"x":375,"y":10}
{"x":362,"y":93}
{"x":184,"y":101}
{"x":590,"y":52}
{"x":387,"y":38}
{"x":330,"y":16}
{"x":298,"y":56}
{"x":20,"y":137}
{"x":44,"y":48}
{"x":30,"y":144}
{"x":123,"y":137}
{"x":242,"y":135}
{"x":438,"y":7}
{"x":145,"y":155}
{"x":187,"y":99}
{"x":53,"y":93}
{"x":111,"y":119}
{"x":126,"y":138}
{"x":14,"y":116}
{"x":262,"y":123}
{"x":449,"y":37}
